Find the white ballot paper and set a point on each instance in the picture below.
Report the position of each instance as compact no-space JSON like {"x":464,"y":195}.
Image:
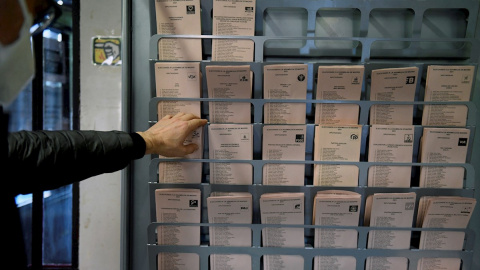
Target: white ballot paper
{"x":178,"y":205}
{"x":285,"y":81}
{"x":331,"y":208}
{"x":230,"y":208}
{"x":338,"y":83}
{"x":386,"y":263}
{"x":439,"y":264}
{"x":447,"y":83}
{"x":444,"y":212}
{"x":336,"y":143}
{"x":179,"y":18}
{"x":282,"y":208}
{"x":233,"y":18}
{"x":284,"y":142}
{"x":393,"y":84}
{"x":443,"y":145}
{"x":389,"y":210}
{"x":229,"y":82}
{"x":390,"y":143}
{"x":230,"y":141}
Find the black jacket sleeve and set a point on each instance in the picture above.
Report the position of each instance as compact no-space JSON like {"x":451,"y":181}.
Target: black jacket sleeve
{"x":44,"y":160}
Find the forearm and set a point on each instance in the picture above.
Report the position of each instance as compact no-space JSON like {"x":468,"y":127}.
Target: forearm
{"x":43,"y":160}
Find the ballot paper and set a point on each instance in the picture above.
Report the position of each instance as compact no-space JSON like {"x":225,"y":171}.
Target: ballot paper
{"x":447,"y":83}
{"x":230,"y":208}
{"x":233,"y":18}
{"x":230,"y":142}
{"x":444,"y":212}
{"x":335,"y":262}
{"x":282,"y":208}
{"x":229,"y":82}
{"x":285,"y":81}
{"x":338,"y":83}
{"x":443,"y":145}
{"x":179,"y":18}
{"x":393,"y":84}
{"x":390,"y":143}
{"x":386,"y":263}
{"x":184,"y":172}
{"x":180,"y":80}
{"x":284,"y":142}
{"x":336,"y":143}
{"x":439,"y":264}
{"x":180,"y":261}
{"x":389,"y":210}
{"x":336,"y":208}
{"x":178,"y":205}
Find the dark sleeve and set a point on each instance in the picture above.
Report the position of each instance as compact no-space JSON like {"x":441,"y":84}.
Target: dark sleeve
{"x":43,"y":160}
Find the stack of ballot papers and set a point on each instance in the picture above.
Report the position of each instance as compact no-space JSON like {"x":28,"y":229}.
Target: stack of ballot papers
{"x":444,"y":212}
{"x":336,"y":208}
{"x":338,"y":83}
{"x":282,"y":208}
{"x":285,"y":81}
{"x":230,"y":208}
{"x":230,"y":142}
{"x":284,"y":142}
{"x":233,"y":18}
{"x":178,"y":205}
{"x":450,"y":84}
{"x":229,"y":82}
{"x":179,"y":18}
{"x":393,"y":84}
{"x":439,"y":263}
{"x":389,"y":210}
{"x":180,"y":80}
{"x":336,"y":143}
{"x":443,"y":145}
{"x":390,"y":143}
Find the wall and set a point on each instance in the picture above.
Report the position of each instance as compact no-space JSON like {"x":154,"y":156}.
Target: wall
{"x":100,"y":109}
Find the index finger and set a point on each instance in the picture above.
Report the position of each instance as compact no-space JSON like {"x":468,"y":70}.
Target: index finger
{"x":185,"y":116}
{"x":196,"y":123}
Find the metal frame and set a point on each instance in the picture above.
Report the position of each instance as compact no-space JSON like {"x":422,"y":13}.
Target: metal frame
{"x":139,"y":86}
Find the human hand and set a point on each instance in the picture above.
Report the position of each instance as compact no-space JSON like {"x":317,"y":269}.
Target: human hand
{"x":167,"y":136}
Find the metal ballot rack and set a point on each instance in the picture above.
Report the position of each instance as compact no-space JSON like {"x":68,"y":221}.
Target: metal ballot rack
{"x":409,"y":33}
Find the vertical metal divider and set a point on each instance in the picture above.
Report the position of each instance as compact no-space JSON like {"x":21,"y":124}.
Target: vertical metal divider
{"x":257,"y":189}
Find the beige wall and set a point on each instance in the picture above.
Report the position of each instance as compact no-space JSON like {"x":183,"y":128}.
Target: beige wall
{"x":100,"y":109}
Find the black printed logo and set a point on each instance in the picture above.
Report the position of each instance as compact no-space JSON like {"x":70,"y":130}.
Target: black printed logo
{"x":297,"y":206}
{"x":192,"y":76}
{"x":410,"y":80}
{"x":248,"y":9}
{"x":190,"y":9}
{"x":462,"y":141}
{"x":353,"y":137}
{"x":193,"y":203}
{"x":353,"y":208}
{"x":301,"y":78}
{"x":300,"y":138}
